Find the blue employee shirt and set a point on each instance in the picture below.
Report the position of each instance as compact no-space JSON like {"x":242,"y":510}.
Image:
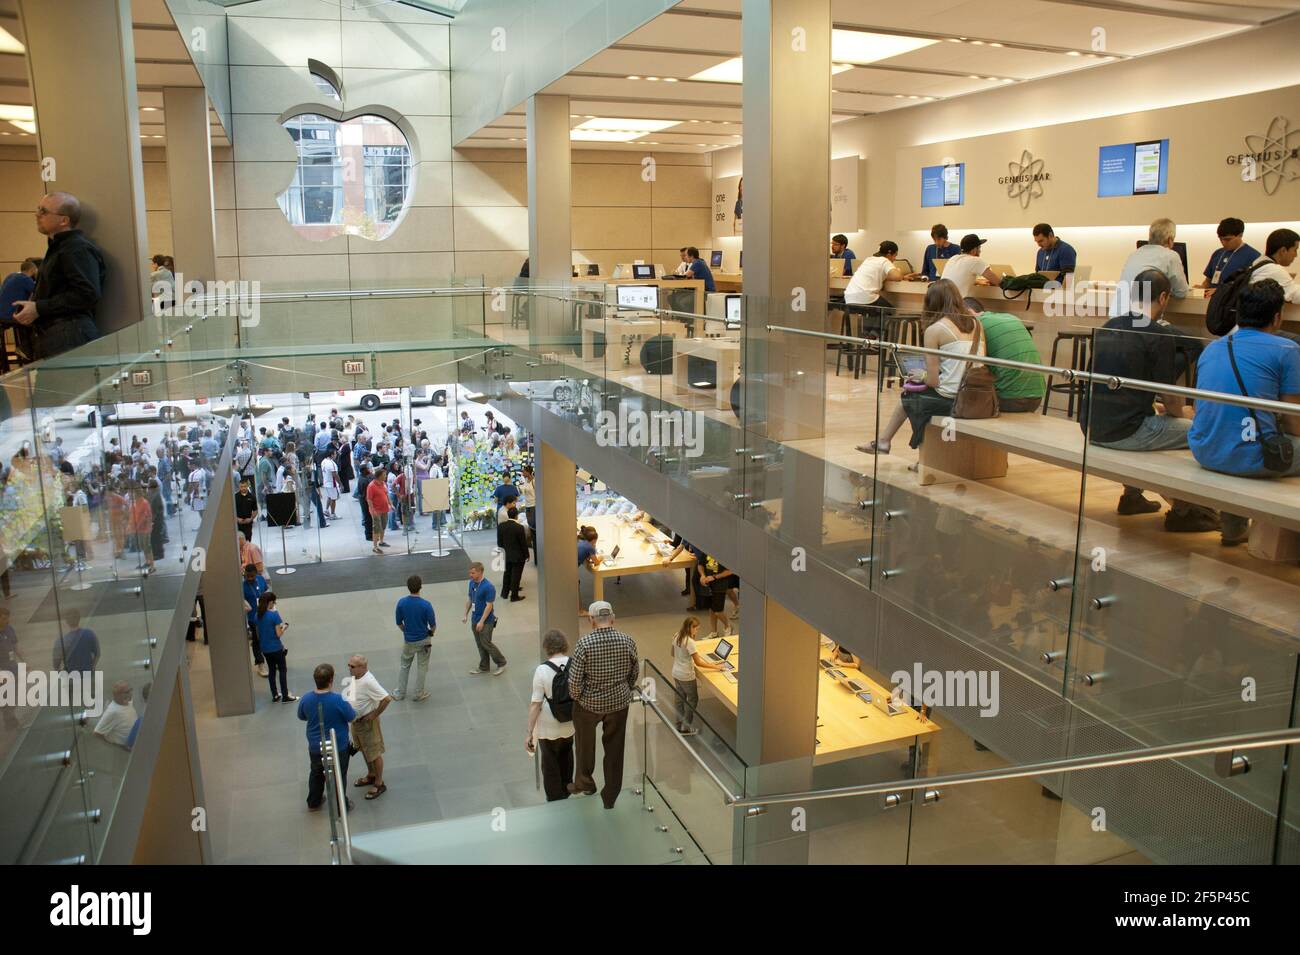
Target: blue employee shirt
{"x":701,"y":271}
{"x":252,"y":591}
{"x":481,"y":594}
{"x":848,"y":257}
{"x":338,"y":714}
{"x":16,"y":288}
{"x":1225,"y":263}
{"x":932,"y":252}
{"x":586,"y":551}
{"x":80,"y":648}
{"x":415,"y":617}
{"x":1270,"y":368}
{"x":266,"y":635}
{"x":504,"y":492}
{"x":1059,"y":258}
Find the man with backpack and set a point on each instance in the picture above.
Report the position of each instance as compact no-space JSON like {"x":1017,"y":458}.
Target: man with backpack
{"x":550,"y":718}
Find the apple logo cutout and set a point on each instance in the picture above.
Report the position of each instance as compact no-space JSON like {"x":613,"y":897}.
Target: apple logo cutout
{"x":354,"y":175}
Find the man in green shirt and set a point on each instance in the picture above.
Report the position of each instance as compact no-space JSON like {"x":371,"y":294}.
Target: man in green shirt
{"x":1005,"y":336}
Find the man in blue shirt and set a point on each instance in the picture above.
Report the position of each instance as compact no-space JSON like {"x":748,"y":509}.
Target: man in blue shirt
{"x":1054,"y":255}
{"x":323,"y":437}
{"x":1233,"y":257}
{"x":940,"y":248}
{"x":1229,"y":438}
{"x":506,"y":490}
{"x":416,"y":620}
{"x":254,"y":586}
{"x":482,"y":595}
{"x":338,"y":713}
{"x":840,"y":250}
{"x":77,"y":651}
{"x":700,"y":269}
{"x":17,"y":287}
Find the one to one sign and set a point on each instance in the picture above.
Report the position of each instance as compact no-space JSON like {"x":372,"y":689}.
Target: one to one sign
{"x":354,"y":366}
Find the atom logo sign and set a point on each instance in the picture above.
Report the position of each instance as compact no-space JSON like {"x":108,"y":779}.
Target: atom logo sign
{"x":1269,"y":157}
{"x":1024,"y":180}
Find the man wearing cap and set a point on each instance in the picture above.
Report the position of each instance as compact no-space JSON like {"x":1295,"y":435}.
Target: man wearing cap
{"x":602,"y":673}
{"x":966,"y":269}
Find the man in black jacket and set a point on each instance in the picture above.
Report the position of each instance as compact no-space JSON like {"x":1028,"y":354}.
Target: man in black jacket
{"x":513,"y":540}
{"x":69,"y":284}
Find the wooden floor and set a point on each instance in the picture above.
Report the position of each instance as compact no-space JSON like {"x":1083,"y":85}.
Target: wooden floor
{"x":1042,"y":499}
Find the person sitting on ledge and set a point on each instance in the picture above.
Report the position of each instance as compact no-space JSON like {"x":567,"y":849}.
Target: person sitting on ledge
{"x":1228,"y":438}
{"x":1006,"y":336}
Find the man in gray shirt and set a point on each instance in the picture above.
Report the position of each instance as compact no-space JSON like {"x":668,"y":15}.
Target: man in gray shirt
{"x":1157,"y":254}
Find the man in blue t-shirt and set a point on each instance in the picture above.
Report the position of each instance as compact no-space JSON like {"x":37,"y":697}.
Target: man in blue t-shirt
{"x":700,"y":269}
{"x":1233,"y":257}
{"x":1054,"y":255}
{"x":940,"y":248}
{"x":1229,"y":438}
{"x":416,"y":620}
{"x":17,"y":287}
{"x":482,"y":595}
{"x":254,"y":586}
{"x":338,"y":713}
{"x":505,"y":491}
{"x":840,"y":250}
{"x":77,"y":651}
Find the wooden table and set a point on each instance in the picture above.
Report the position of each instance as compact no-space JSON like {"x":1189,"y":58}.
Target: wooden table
{"x":695,"y":285}
{"x":618,"y":330}
{"x":847,"y":728}
{"x":723,"y":352}
{"x":638,"y":553}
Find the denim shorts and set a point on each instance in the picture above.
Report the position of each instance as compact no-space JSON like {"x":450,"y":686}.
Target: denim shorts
{"x":1160,"y":432}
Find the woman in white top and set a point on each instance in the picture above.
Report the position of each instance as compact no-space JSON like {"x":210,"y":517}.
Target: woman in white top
{"x":967,"y":269}
{"x":952,"y":330}
{"x":686,"y":660}
{"x":545,"y":733}
{"x":1279,"y":253}
{"x":871,"y":275}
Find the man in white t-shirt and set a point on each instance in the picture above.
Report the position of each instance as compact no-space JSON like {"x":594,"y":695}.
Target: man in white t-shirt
{"x":1279,"y":254}
{"x":966,"y":269}
{"x":369,"y":699}
{"x":548,"y":738}
{"x":119,"y":717}
{"x":870,"y":276}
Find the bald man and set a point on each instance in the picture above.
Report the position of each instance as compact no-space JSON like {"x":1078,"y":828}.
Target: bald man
{"x":61,"y":313}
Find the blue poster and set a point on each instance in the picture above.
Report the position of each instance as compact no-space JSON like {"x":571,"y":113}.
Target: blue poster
{"x":943,"y":185}
{"x":1133,"y":169}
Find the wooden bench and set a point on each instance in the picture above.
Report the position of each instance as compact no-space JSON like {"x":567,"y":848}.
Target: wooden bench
{"x":981,"y":447}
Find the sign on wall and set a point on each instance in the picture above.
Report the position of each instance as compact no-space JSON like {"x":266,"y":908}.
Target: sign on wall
{"x":1268,"y":158}
{"x":728,"y":206}
{"x":845,"y":200}
{"x":1024,"y":179}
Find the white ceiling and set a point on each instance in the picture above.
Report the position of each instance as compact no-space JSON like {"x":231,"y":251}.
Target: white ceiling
{"x":161,"y":60}
{"x":983,"y":44}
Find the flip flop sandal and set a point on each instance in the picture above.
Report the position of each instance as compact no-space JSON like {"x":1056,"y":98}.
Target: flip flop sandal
{"x":872,"y":448}
{"x":364,"y":781}
{"x":377,"y":791}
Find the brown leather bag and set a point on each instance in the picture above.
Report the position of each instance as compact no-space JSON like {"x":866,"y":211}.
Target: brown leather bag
{"x":977,"y":396}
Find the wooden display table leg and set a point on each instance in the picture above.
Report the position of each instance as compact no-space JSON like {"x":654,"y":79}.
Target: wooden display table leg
{"x":598,"y":587}
{"x":1273,"y":543}
{"x":965,"y":459}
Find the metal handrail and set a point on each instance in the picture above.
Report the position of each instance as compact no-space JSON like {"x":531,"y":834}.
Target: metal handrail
{"x":729,"y":797}
{"x":344,"y":840}
{"x":1205,"y":747}
{"x":1113,"y":382}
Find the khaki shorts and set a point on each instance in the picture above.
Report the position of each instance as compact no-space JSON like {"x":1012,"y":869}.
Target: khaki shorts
{"x":368,"y":736}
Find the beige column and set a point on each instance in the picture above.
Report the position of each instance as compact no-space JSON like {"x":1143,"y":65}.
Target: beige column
{"x":189,"y":181}
{"x":223,"y":603}
{"x":81,"y":66}
{"x":787,"y":116}
{"x":557,"y":542}
{"x":550,"y":235}
{"x":168,"y":835}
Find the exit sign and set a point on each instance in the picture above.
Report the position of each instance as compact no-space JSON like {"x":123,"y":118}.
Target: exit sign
{"x":354,"y":366}
{"x":142,"y":378}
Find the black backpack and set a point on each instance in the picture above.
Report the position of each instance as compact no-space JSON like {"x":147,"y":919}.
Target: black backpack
{"x":1221,"y":313}
{"x":560,"y":702}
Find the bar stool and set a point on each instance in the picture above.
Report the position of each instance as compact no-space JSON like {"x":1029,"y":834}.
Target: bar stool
{"x":901,"y":329}
{"x":856,"y":352}
{"x":1080,"y":343}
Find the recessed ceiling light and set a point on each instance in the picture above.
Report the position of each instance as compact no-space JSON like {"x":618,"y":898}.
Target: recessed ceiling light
{"x":953,"y":39}
{"x":670,"y":79}
{"x":573,"y":116}
{"x":9,"y":44}
{"x":998,"y":45}
{"x":653,"y":79}
{"x":1007,"y":79}
{"x":732,"y":70}
{"x":974,"y":77}
{"x":148,"y":109}
{"x":588,"y":116}
{"x":899,"y":96}
{"x":694,"y":120}
{"x":156,"y":136}
{"x":703,"y":145}
{"x":12,"y":112}
{"x":634,"y":77}
{"x":1107,"y":59}
{"x":977,"y":42}
{"x":856,"y":46}
{"x":1073,"y":53}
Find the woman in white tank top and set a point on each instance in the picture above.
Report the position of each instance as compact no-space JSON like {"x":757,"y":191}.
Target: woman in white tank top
{"x":952,"y":331}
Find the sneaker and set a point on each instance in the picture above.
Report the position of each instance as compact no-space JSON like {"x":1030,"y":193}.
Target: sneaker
{"x":690,"y":732}
{"x":376,"y":550}
{"x":1130,"y":504}
{"x":385,"y":544}
{"x":575,"y":791}
{"x":499,"y":670}
{"x":517,"y":599}
{"x":477,"y":672}
{"x":421,"y":697}
{"x":261,"y":670}
{"x":1191,"y":522}
{"x":290,"y":699}
{"x":275,"y":698}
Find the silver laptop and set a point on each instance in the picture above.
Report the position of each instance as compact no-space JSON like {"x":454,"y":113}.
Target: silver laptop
{"x":720,"y":653}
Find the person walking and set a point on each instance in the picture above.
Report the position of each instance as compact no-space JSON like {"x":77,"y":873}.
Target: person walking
{"x":363,"y":692}
{"x":512,"y":536}
{"x":602,"y":673}
{"x":377,"y":503}
{"x":254,"y":585}
{"x":550,"y":718}
{"x":416,"y":620}
{"x":270,"y":630}
{"x":482,"y":597}
{"x":686,"y":660}
{"x":324,"y":710}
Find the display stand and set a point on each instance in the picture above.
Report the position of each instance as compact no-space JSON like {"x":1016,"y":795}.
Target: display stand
{"x":435,"y":495}
{"x":282,"y":512}
{"x":76,"y":529}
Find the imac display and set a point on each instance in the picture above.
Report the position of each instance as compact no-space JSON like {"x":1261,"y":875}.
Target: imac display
{"x":643,"y":271}
{"x":733,"y":312}
{"x":637,"y":296}
{"x":715,"y":259}
{"x":1133,"y":169}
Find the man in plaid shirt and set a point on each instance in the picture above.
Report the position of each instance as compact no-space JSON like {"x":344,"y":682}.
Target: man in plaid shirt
{"x":602,"y":674}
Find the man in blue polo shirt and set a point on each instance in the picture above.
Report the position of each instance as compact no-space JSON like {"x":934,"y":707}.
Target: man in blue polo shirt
{"x":482,"y":595}
{"x":338,"y":713}
{"x":1233,"y":257}
{"x":840,"y":250}
{"x":1229,"y":438}
{"x":940,"y":248}
{"x":700,"y":269}
{"x":416,"y":621}
{"x":17,"y":287}
{"x":1054,"y":255}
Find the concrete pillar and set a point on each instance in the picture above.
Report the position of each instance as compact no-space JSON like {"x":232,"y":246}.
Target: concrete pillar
{"x":81,"y":66}
{"x":167,"y":834}
{"x":787,"y":115}
{"x":550,"y":235}
{"x":557,"y":542}
{"x":223,"y":602}
{"x":776,"y":729}
{"x":189,"y":181}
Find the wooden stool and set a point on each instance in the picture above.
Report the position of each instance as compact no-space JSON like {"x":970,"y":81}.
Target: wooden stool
{"x":901,"y":329}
